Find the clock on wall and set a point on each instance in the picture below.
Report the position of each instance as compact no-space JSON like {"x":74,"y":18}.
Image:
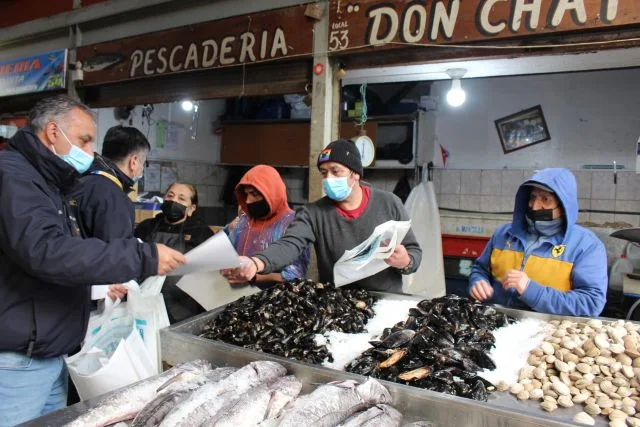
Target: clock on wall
{"x":366,"y":148}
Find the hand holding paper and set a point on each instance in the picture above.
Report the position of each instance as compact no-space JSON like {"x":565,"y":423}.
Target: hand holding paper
{"x":399,"y":258}
{"x":373,"y":255}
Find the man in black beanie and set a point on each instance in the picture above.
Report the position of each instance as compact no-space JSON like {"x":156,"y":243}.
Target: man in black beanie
{"x":340,"y":221}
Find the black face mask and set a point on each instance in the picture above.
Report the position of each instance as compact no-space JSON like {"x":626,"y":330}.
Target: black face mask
{"x":258,"y":209}
{"x":173,"y":211}
{"x":540,"y":214}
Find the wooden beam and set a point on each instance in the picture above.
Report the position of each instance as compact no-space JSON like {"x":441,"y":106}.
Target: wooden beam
{"x":573,"y":44}
{"x":255,"y":80}
{"x":322,"y":114}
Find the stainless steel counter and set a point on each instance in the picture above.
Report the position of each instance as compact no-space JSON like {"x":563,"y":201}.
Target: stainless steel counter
{"x":180,"y":343}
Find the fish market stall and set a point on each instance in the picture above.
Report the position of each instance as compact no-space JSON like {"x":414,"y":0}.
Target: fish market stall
{"x":181,"y":342}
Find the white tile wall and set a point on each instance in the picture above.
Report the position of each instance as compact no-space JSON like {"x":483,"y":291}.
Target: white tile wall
{"x":491,"y":182}
{"x":498,"y":188}
{"x":490,"y":203}
{"x":601,"y":205}
{"x":507,"y":203}
{"x":451,"y":181}
{"x":628,"y":186}
{"x":628,"y":206}
{"x":583,"y":179}
{"x":469,"y":203}
{"x":511,"y":181}
{"x":451,"y":201}
{"x":602,"y":186}
{"x":471,"y":182}
{"x":437,"y":180}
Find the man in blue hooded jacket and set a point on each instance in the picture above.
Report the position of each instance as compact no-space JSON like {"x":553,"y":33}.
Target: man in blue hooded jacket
{"x":543,"y":260}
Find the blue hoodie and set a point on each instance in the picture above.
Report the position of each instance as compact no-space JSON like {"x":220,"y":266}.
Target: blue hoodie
{"x":567,"y":271}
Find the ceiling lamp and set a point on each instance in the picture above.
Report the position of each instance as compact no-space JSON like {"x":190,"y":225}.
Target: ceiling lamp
{"x":187,"y":105}
{"x":456,"y":95}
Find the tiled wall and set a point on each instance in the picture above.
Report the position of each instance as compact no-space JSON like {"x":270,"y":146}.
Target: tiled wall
{"x":489,"y":190}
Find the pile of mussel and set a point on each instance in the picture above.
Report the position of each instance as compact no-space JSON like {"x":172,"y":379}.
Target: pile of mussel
{"x":284,"y":319}
{"x":441,"y":346}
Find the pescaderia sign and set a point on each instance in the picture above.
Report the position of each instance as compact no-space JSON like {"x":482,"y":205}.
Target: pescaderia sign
{"x":394,"y":23}
{"x":247,"y":39}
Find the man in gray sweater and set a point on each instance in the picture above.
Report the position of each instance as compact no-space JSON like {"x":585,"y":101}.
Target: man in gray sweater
{"x":341,"y":220}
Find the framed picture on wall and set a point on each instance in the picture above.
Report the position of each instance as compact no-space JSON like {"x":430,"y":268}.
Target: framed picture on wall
{"x":522,"y":129}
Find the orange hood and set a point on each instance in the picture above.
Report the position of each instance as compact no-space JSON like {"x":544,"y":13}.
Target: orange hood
{"x":268,"y":182}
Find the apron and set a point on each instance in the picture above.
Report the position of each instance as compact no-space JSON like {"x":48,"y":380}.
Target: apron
{"x":180,"y":305}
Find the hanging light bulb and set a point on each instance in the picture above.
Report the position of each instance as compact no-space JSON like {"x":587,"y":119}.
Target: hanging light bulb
{"x":187,"y":105}
{"x":456,"y":95}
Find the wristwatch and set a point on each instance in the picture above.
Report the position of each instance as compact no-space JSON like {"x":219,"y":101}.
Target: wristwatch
{"x":408,"y":268}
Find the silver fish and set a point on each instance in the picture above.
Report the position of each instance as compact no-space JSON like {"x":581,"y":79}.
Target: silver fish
{"x":420,"y":424}
{"x":170,"y":395}
{"x":378,"y":416}
{"x":284,"y":391}
{"x":253,"y":407}
{"x":206,"y":401}
{"x":125,"y":404}
{"x":332,"y":403}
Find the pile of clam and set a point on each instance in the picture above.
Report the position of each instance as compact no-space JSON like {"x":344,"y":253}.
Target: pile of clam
{"x":596,"y":364}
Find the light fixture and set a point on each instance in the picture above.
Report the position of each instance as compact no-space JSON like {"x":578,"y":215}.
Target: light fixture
{"x":187,"y":105}
{"x":456,"y":95}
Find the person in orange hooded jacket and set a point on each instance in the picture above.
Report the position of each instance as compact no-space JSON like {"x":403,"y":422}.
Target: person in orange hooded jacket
{"x":262,"y":197}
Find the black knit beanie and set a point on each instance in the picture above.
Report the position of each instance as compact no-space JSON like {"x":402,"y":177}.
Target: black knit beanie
{"x":342,"y":151}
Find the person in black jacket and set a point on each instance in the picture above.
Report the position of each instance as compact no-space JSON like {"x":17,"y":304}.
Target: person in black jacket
{"x":46,"y":267}
{"x":181,"y":228}
{"x":104,"y":208}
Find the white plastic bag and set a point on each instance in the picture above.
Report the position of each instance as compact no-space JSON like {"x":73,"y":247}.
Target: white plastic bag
{"x":428,"y":281}
{"x":113,"y":357}
{"x":122,"y":344}
{"x":368,"y":257}
{"x":149,"y":312}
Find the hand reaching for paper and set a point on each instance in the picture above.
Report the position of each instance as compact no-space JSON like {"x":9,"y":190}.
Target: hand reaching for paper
{"x":233,"y":275}
{"x":247,"y":270}
{"x":399,"y":258}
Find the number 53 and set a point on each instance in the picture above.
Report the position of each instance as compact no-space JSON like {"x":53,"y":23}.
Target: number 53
{"x":338,"y":40}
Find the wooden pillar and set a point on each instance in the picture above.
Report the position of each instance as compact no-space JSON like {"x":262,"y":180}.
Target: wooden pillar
{"x":323,"y":114}
{"x":322,"y":106}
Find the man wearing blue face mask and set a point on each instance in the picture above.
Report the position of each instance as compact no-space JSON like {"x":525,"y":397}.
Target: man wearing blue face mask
{"x":46,"y":267}
{"x":543,"y":260}
{"x":340,"y":221}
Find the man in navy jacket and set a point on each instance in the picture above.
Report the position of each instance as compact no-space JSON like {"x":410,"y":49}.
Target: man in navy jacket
{"x":104,"y":208}
{"x":45,"y":266}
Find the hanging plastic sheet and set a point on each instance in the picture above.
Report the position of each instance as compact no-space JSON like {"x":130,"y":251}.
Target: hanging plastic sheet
{"x":422,"y":206}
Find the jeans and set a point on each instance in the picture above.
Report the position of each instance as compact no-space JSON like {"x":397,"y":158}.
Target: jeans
{"x":30,"y":387}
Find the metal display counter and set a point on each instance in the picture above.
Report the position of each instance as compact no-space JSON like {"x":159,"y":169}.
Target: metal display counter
{"x":181,"y":343}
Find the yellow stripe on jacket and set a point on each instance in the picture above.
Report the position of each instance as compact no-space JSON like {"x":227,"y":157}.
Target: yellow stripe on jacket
{"x":550,"y":272}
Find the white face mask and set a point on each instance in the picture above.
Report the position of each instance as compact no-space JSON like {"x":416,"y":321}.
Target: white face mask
{"x":137,"y":178}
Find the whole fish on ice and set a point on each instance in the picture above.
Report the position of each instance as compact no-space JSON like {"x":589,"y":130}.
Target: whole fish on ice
{"x":205,"y":402}
{"x":378,"y":416}
{"x":125,"y":405}
{"x":253,"y":407}
{"x":332,"y":403}
{"x":174,"y":392}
